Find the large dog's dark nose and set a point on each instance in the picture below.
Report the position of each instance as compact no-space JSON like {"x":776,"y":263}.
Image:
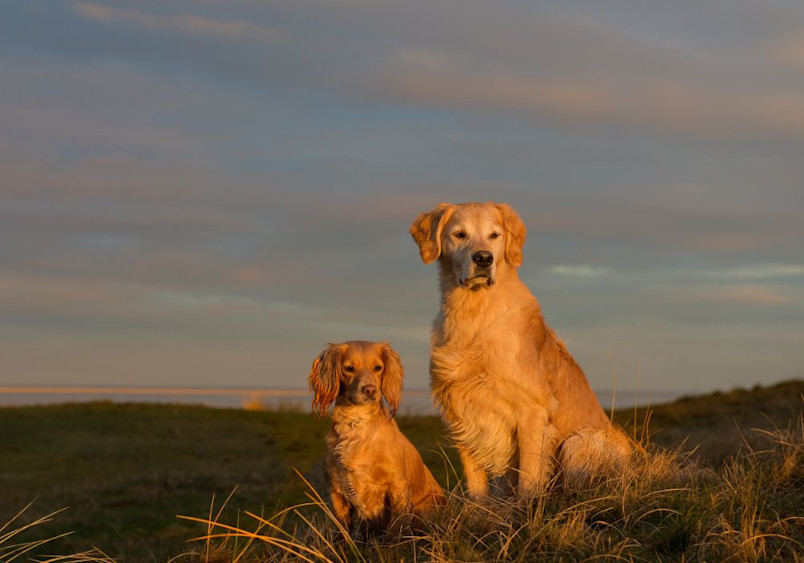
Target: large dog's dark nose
{"x":483,"y":258}
{"x":369,"y":391}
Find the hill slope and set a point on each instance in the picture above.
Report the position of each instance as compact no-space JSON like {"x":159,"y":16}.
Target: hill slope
{"x":126,"y":471}
{"x":719,"y":424}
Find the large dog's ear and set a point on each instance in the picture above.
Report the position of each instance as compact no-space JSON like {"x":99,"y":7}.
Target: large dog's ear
{"x":426,"y":231}
{"x":515,"y":232}
{"x":325,"y":378}
{"x":392,"y":376}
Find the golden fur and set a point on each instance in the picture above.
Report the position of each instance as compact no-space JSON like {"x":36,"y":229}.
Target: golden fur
{"x":510,"y":392}
{"x":376,"y":477}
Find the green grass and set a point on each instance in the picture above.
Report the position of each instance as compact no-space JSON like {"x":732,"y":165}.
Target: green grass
{"x":125,"y":472}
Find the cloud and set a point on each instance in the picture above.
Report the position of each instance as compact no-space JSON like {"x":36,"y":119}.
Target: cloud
{"x":789,"y":50}
{"x":745,"y":294}
{"x":569,"y":69}
{"x":666,"y":354}
{"x":193,"y":175}
{"x":758,"y":272}
{"x":675,"y":104}
{"x":19,"y":290}
{"x":111,"y":108}
{"x":186,"y":23}
{"x":579,"y":270}
{"x":733,"y":241}
{"x":155,"y":304}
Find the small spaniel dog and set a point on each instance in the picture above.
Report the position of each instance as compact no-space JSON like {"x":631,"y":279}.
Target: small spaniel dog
{"x":376,"y":477}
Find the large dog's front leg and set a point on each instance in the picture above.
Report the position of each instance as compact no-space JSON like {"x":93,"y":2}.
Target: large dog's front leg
{"x":477,"y":482}
{"x":538,"y":440}
{"x":341,"y":508}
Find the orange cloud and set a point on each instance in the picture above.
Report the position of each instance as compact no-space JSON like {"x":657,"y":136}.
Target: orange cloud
{"x":579,"y":270}
{"x":671,"y":105}
{"x":251,"y":276}
{"x":188,"y":23}
{"x":749,"y":294}
{"x":789,"y":50}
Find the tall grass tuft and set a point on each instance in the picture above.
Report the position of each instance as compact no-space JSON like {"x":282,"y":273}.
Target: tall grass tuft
{"x":663,"y":507}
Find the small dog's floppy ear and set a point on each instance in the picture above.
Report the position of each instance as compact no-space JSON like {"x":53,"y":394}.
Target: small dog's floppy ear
{"x":426,"y":231}
{"x":392,"y":376}
{"x":325,"y":378}
{"x":515,"y":234}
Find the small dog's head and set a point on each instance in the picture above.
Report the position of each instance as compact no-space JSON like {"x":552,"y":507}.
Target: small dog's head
{"x":474,"y":241}
{"x":356,"y":373}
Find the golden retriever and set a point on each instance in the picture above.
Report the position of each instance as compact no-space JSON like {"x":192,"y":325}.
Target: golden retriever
{"x":508,"y":389}
{"x":376,"y":477}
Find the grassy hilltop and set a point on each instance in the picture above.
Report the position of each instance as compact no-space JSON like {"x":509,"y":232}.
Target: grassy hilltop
{"x":127,"y":471}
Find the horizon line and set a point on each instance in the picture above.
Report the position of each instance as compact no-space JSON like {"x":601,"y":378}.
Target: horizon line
{"x":179,"y":390}
{"x":154,"y":390}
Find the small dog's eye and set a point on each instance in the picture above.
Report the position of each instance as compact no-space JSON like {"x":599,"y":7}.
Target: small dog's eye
{"x":349,"y":369}
{"x":378,"y":368}
{"x":459,"y":234}
{"x":493,"y":236}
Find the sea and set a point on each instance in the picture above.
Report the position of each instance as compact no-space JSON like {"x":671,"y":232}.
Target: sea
{"x":415,"y":402}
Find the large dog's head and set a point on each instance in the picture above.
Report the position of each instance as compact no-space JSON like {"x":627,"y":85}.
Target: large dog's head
{"x":356,"y":373}
{"x":475,"y":242}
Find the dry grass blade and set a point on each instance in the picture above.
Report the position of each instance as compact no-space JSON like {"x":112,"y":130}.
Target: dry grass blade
{"x":93,"y":555}
{"x":286,"y":545}
{"x":758,"y":537}
{"x":13,"y":519}
{"x":314,"y":496}
{"x":329,"y":545}
{"x":16,"y":531}
{"x":292,"y":545}
{"x":10,"y":552}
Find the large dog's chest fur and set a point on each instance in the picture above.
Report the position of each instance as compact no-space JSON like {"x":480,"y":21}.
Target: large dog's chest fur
{"x":478,"y":382}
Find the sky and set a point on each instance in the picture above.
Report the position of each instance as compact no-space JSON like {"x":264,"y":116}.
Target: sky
{"x":206,"y":193}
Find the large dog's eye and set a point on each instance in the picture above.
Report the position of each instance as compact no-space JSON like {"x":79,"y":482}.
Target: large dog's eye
{"x":377,"y":368}
{"x":459,"y":234}
{"x":494,"y":235}
{"x":349,"y":369}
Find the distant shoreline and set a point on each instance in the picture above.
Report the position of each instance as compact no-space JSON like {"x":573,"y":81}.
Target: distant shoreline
{"x":415,"y":401}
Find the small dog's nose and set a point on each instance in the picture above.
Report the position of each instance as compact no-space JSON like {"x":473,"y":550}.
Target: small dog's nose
{"x":483,"y":258}
{"x":369,"y":391}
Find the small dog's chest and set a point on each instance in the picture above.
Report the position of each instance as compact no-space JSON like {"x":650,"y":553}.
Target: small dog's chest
{"x":349,"y":440}
{"x":351,"y":446}
{"x":346,"y":443}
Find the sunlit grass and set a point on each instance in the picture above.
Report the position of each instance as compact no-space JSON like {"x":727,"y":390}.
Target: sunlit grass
{"x":664,"y":507}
